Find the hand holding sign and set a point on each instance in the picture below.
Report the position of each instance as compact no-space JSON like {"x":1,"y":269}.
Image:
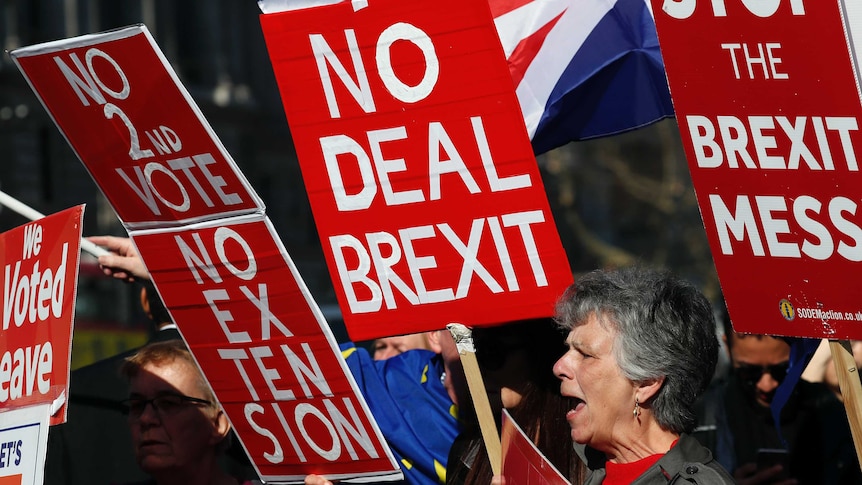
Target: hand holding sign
{"x":123,"y":261}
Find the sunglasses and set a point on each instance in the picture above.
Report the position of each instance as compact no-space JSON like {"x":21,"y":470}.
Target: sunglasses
{"x":750,"y":374}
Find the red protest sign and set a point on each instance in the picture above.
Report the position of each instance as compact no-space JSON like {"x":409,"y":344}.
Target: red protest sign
{"x":414,"y":154}
{"x":40,"y":276}
{"x":523,"y":462}
{"x":136,"y":129}
{"x":268,"y":355}
{"x":769,"y":119}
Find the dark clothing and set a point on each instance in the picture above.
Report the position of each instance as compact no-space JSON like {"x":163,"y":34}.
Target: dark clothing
{"x":687,"y":462}
{"x":813,"y":424}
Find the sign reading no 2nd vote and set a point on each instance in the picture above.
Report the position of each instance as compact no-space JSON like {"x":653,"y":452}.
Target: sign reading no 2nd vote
{"x":413,"y":150}
{"x":136,"y":129}
{"x":766,"y":98}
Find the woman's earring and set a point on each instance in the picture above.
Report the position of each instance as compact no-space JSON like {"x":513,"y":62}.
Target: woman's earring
{"x":637,"y":411}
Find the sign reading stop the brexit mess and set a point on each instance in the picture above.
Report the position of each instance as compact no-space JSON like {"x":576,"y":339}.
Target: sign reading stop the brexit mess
{"x":265,"y":348}
{"x":421,"y":178}
{"x":770,"y":121}
{"x":40,"y":275}
{"x":136,"y":129}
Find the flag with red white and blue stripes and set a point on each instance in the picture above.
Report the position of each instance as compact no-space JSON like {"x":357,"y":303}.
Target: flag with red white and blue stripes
{"x":582,"y":68}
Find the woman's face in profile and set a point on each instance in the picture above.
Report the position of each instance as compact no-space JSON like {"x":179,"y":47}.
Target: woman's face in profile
{"x":603,"y":397}
{"x":178,"y":435}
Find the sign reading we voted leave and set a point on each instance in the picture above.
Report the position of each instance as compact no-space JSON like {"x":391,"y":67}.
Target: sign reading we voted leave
{"x":246,"y":315}
{"x":39,"y":279}
{"x":421,"y":177}
{"x":766,"y":97}
{"x":135,"y":127}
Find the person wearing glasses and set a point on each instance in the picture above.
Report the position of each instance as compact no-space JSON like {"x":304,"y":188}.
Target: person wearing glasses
{"x":178,"y":429}
{"x":735,"y":419}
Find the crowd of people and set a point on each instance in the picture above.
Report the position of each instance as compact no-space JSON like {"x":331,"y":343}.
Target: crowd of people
{"x":619,"y":387}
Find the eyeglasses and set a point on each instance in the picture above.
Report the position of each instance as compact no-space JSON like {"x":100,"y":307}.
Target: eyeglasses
{"x":750,"y":374}
{"x":164,"y":405}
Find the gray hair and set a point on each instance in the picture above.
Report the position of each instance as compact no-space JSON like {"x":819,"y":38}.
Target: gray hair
{"x":665,"y":328}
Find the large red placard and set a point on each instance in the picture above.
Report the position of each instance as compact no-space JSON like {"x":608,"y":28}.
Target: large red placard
{"x":40,"y":278}
{"x":766,"y":98}
{"x":264,"y":346}
{"x":421,"y":177}
{"x":135,"y":127}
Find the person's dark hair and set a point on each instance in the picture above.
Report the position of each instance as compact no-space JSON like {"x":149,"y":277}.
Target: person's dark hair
{"x":665,"y":328}
{"x":541,"y":414}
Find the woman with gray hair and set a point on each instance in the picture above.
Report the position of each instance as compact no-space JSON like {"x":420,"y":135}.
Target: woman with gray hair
{"x":641,"y":348}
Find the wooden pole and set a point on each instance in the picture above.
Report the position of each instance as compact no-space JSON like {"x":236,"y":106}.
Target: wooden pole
{"x":851,"y":389}
{"x":464,"y":340}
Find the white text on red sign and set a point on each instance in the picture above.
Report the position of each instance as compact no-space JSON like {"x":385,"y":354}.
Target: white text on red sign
{"x":374,"y":272}
{"x":296,"y":388}
{"x":157,"y":183}
{"x":31,"y":296}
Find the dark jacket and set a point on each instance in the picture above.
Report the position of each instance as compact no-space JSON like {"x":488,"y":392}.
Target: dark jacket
{"x":687,"y":462}
{"x":814,"y":429}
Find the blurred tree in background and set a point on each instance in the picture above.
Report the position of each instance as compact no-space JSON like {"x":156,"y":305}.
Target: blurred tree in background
{"x":626,"y":199}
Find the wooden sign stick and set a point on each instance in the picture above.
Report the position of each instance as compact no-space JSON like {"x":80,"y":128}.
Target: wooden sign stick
{"x":851,"y":389}
{"x":464,"y":341}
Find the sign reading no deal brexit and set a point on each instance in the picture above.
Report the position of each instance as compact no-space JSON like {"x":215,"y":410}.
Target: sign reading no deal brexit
{"x":136,"y":128}
{"x":219,"y":266}
{"x":421,"y":177}
{"x":40,"y":275}
{"x":770,"y":121}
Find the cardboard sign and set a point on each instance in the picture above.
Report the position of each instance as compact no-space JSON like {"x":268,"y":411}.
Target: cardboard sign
{"x":769,"y":117}
{"x":40,"y":277}
{"x":266,"y":350}
{"x":136,"y":128}
{"x":421,"y":177}
{"x":523,"y":463}
{"x":24,"y":445}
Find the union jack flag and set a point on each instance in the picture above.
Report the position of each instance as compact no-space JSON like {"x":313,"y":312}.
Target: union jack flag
{"x":582,"y":68}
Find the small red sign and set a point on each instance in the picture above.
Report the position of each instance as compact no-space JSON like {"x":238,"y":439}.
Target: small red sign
{"x":266,"y":350}
{"x":523,"y":463}
{"x":40,"y":278}
{"x":766,"y":97}
{"x":136,"y":128}
{"x":421,"y":177}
